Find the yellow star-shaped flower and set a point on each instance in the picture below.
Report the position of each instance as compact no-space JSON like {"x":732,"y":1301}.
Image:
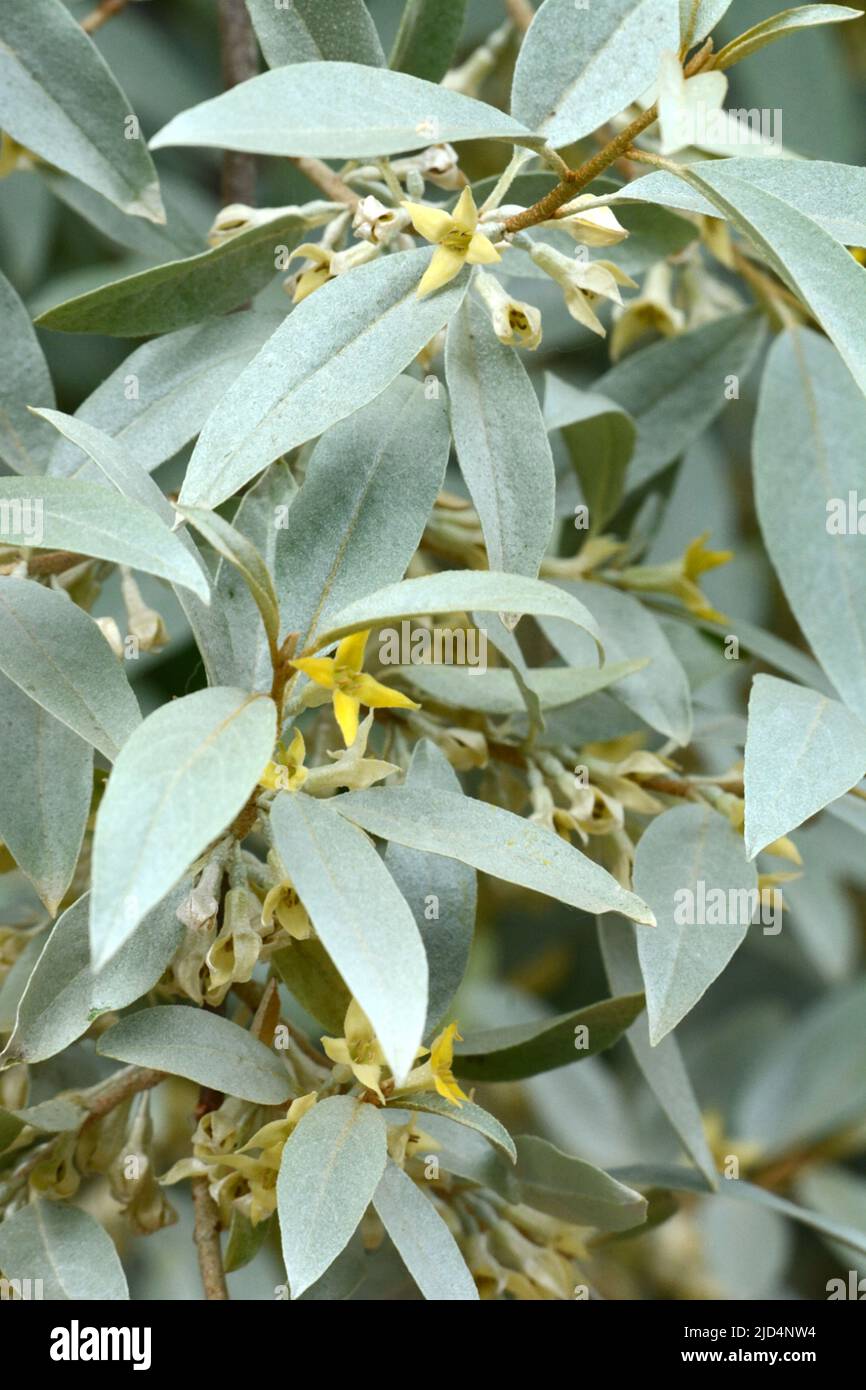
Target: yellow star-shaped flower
{"x":358,"y":1049}
{"x":287,"y":772}
{"x":456,"y":238}
{"x":352,"y":687}
{"x":436,"y":1073}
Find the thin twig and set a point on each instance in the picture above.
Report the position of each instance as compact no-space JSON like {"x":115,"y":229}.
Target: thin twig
{"x":325,"y":179}
{"x":521,"y":13}
{"x":118,"y":1088}
{"x":240,"y":61}
{"x":207,"y":1239}
{"x":104,"y":11}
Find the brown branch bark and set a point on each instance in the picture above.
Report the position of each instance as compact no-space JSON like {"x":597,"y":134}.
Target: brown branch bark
{"x":240,"y":61}
{"x":207,"y":1240}
{"x":326,"y":180}
{"x":521,"y":13}
{"x":119,"y":1088}
{"x":103,"y":12}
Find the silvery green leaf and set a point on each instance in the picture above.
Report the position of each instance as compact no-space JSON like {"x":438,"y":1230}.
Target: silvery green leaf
{"x":453,"y":591}
{"x":467,"y":1114}
{"x":428,"y":37}
{"x":44,"y":829}
{"x":363,"y":920}
{"x":424,"y":1243}
{"x":64,"y":1248}
{"x":337,"y":351}
{"x":845,"y":1232}
{"x":574,"y":1191}
{"x":777,"y":26}
{"x":807,"y":467}
{"x":261,"y":517}
{"x":24,"y":380}
{"x":493,"y":840}
{"x":306,"y":31}
{"x":47,"y":65}
{"x":518,"y":1050}
{"x":201,"y":1046}
{"x":501,"y":442}
{"x":687,"y":859}
{"x":823,"y":274}
{"x":755,"y":641}
{"x":496,"y":691}
{"x":240,"y":552}
{"x":330,"y":1169}
{"x":244,"y":1240}
{"x":372,"y":479}
{"x":339,"y":111}
{"x":65,"y":514}
{"x":662,"y":1065}
{"x":579,"y":65}
{"x":113,"y":467}
{"x":672,"y":390}
{"x":57,"y":655}
{"x":505,"y":642}
{"x":311,"y":977}
{"x":180,"y":780}
{"x":787,"y":1100}
{"x":64,"y":995}
{"x":803,"y":750}
{"x":160,"y":396}
{"x":441,"y":892}
{"x":600,"y":439}
{"x":833,"y":195}
{"x":659,"y":692}
{"x":698,"y":17}
{"x":836,"y":1193}
{"x":178,"y":236}
{"x":182,"y":292}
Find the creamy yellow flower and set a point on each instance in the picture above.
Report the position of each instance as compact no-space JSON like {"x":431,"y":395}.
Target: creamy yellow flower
{"x":283,"y":906}
{"x":436,"y":1073}
{"x":590,"y":226}
{"x":515,"y":323}
{"x":324,"y":265}
{"x":582,"y":281}
{"x":652,"y":311}
{"x":680,"y":577}
{"x":287,"y":771}
{"x":358,"y":1050}
{"x":456,"y":237}
{"x":352,"y":688}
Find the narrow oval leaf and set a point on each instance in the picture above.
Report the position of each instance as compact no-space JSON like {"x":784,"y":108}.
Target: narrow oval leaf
{"x":201,"y":1046}
{"x":172,"y":296}
{"x":442,"y":893}
{"x":57,"y":655}
{"x":777,"y":26}
{"x":454,"y":591}
{"x":180,"y":377}
{"x":428,"y":36}
{"x":47,"y":62}
{"x":833,"y":195}
{"x":240,"y":552}
{"x":662,"y":1066}
{"x":363,"y":920}
{"x":519,"y":1050}
{"x":466,"y":1114}
{"x":501,"y":442}
{"x":803,"y":750}
{"x":672,"y":390}
{"x":330,"y":1170}
{"x":65,"y":1249}
{"x":497,"y":692}
{"x":493,"y":840}
{"x":600,"y":439}
{"x":580,"y":65}
{"x":24,"y":380}
{"x":574,"y":1191}
{"x":691,"y":868}
{"x":372,"y":479}
{"x":64,"y":994}
{"x":698,"y":17}
{"x":65,"y":514}
{"x":180,"y":781}
{"x":659,"y":692}
{"x":336,"y":351}
{"x":809,"y":261}
{"x":306,"y":31}
{"x":425,"y":1244}
{"x":338,"y":111}
{"x":808,"y":467}
{"x":44,"y":829}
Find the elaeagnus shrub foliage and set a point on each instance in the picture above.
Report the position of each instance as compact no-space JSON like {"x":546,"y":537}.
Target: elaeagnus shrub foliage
{"x":432,"y":649}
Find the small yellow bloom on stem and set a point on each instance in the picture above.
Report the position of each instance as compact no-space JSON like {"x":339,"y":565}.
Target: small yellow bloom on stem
{"x":436,"y":1074}
{"x":456,"y":237}
{"x":287,"y":772}
{"x":515,"y":323}
{"x":679,"y":577}
{"x":352,"y":687}
{"x":359,"y":1050}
